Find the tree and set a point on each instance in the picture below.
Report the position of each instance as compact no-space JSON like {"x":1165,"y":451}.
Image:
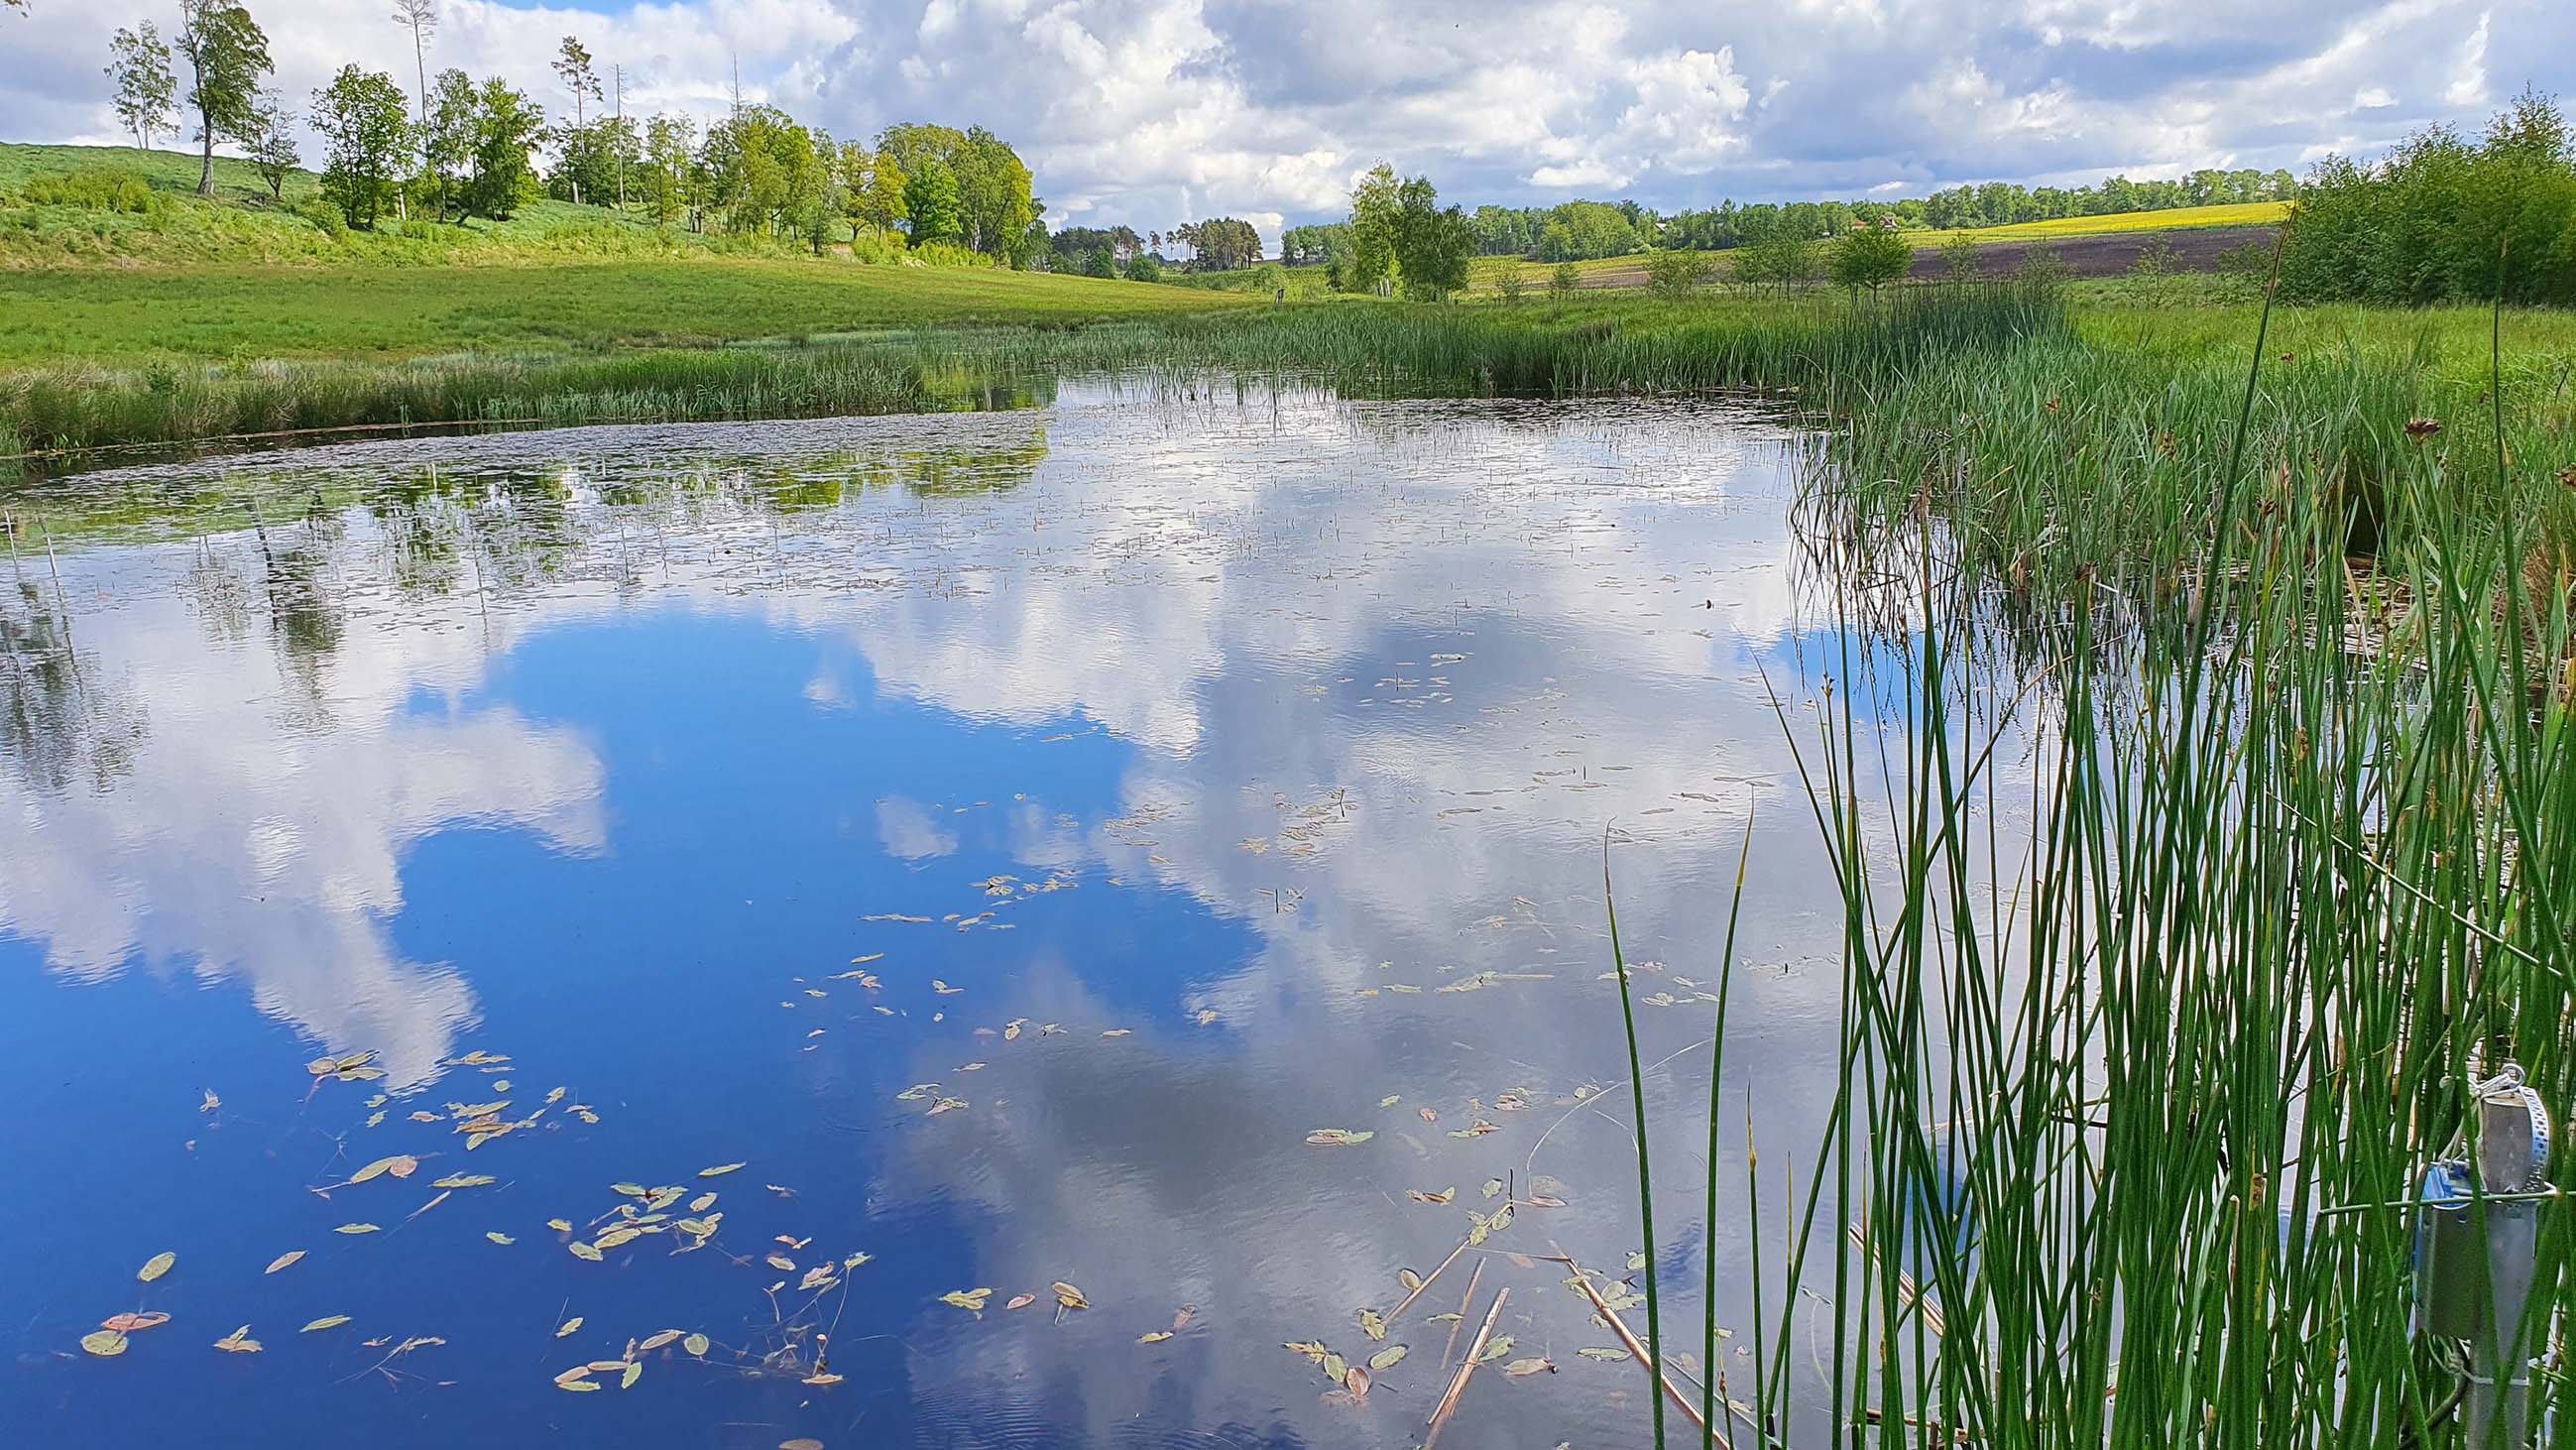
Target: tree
{"x":1432,"y":244}
{"x":930,"y":201}
{"x":1143,"y":268}
{"x":140,"y":66}
{"x":883,"y":205}
{"x":1675,"y":273}
{"x":572,"y":66}
{"x":365,"y":135}
{"x":995,"y":206}
{"x":1959,"y":255}
{"x":422,"y":17}
{"x":666,"y":168}
{"x":1510,"y":285}
{"x":507,"y":126}
{"x":1872,"y":257}
{"x":1098,"y":262}
{"x":272,"y":151}
{"x":1225,"y":243}
{"x":1375,"y":202}
{"x":227,"y":55}
{"x":1562,"y":282}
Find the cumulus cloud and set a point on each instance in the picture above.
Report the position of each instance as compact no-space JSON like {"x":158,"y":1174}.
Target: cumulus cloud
{"x":1154,"y":111}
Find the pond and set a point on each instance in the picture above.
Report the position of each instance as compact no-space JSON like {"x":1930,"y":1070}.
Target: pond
{"x":960,"y":931}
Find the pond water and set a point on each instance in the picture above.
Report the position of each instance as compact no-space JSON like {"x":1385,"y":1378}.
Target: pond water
{"x":1008,"y":838}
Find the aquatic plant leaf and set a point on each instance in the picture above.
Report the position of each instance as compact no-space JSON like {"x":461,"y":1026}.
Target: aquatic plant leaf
{"x":1602,"y":1353}
{"x":105,"y":1343}
{"x":782,"y":1263}
{"x":800,"y":1444}
{"x":1522,"y":1368}
{"x":1021,"y":1301}
{"x":1495,"y":1348}
{"x":1389,"y":1357}
{"x":1313,"y":1349}
{"x":154,"y":1267}
{"x":577,"y":1386}
{"x":702,"y":1203}
{"x":1181,"y":1320}
{"x":356,"y":1228}
{"x":1373,"y":1324}
{"x":560,"y":1225}
{"x":211,"y":1103}
{"x":1069,"y":1296}
{"x":627,"y":1378}
{"x":582,"y":1250}
{"x":1492,"y":1187}
{"x":570,"y":1326}
{"x":1337,"y":1137}
{"x":1356,"y":1380}
{"x":239,"y":1342}
{"x":967,"y":1298}
{"x":284,"y":1260}
{"x":128,"y":1323}
{"x":1335,"y":1367}
{"x":1157,"y":1337}
{"x":498,"y":1237}
{"x":1443,"y":1196}
{"x":656,"y":1341}
{"x":1390,"y":1100}
{"x":720,"y":1170}
{"x":464,"y":1180}
{"x":630,"y":1190}
{"x":327,"y":1321}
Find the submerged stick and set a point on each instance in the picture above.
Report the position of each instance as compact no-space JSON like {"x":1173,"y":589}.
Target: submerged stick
{"x":1425,"y":1284}
{"x":1583,"y":1281}
{"x":1460,"y":1322}
{"x":1458,"y":1386}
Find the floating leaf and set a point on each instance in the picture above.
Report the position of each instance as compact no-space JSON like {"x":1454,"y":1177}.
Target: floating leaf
{"x":1373,"y":1324}
{"x":702,"y":1203}
{"x":464,"y":1180}
{"x":381,"y":1167}
{"x":211,"y":1103}
{"x":1157,"y":1337}
{"x":105,"y":1343}
{"x":667,"y":1336}
{"x":128,"y":1323}
{"x":569,"y":1326}
{"x":1492,"y":1187}
{"x":1603,"y":1354}
{"x":1181,"y":1320}
{"x":719,"y":1170}
{"x":1521,"y":1368}
{"x":1337,"y":1137}
{"x":1069,"y":1296}
{"x":1390,"y":1100}
{"x":284,"y":1260}
{"x":1496,"y":1348}
{"x":356,"y":1228}
{"x":967,"y":1298}
{"x":582,"y":1250}
{"x":577,"y":1385}
{"x":1336,"y":1368}
{"x":238,"y":1342}
{"x":800,"y":1444}
{"x":630,"y":1190}
{"x":633,"y":1372}
{"x":1443,"y":1196}
{"x":1388,"y":1358}
{"x":560,"y":1225}
{"x":1021,"y":1301}
{"x":1356,"y":1380}
{"x":156,"y":1266}
{"x":499,"y":1237}
{"x":327,"y":1321}
{"x":1311,"y":1348}
{"x":1409,"y":1279}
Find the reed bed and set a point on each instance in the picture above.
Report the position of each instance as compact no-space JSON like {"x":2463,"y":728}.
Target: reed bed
{"x":2147,"y":1036}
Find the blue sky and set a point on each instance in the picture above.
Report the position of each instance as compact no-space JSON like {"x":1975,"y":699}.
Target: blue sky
{"x":1152,"y":112}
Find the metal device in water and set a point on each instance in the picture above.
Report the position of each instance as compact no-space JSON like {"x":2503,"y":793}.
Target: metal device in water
{"x":2477,"y":1243}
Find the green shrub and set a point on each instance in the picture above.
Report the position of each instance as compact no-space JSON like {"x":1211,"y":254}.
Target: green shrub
{"x":324,"y":214}
{"x":1143,"y":268}
{"x":950,"y":254}
{"x":1676,"y":273}
{"x":96,"y":188}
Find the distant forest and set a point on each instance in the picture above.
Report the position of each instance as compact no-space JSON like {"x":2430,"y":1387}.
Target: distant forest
{"x":1578,"y":230}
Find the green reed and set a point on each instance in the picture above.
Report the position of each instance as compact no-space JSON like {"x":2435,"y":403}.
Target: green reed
{"x":2200,"y":785}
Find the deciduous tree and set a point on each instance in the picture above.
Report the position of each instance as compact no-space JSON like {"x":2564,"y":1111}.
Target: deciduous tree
{"x":227,"y":57}
{"x":145,"y":88}
{"x":365,"y":137}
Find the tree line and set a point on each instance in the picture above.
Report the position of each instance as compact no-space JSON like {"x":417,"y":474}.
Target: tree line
{"x":457,"y":148}
{"x":1576,"y":231}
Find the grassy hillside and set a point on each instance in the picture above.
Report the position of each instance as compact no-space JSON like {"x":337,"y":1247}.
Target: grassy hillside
{"x":126,"y":276}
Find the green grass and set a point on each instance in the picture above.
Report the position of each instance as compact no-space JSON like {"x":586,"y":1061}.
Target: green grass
{"x":130,"y":316}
